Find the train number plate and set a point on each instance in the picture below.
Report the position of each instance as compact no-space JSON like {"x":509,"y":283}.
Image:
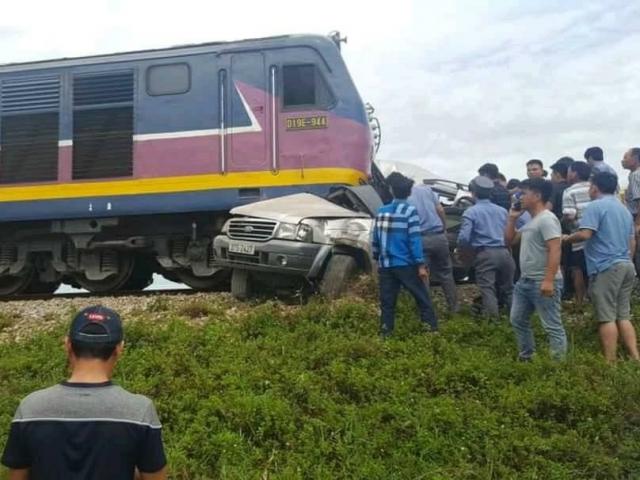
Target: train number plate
{"x":242,"y":248}
{"x":307,"y":123}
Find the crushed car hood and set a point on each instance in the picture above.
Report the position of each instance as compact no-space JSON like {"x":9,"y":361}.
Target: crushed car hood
{"x":295,"y":208}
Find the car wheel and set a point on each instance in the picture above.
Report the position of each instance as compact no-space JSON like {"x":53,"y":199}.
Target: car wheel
{"x":340,"y":269}
{"x":240,"y":284}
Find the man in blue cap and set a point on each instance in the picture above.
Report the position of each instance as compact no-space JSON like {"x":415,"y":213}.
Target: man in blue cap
{"x":87,"y":427}
{"x":482,"y":230}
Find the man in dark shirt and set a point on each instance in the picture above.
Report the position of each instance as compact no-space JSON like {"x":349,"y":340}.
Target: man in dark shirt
{"x":559,"y":171}
{"x":87,"y":427}
{"x":499,"y":195}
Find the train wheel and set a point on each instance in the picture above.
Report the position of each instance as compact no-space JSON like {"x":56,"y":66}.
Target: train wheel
{"x":16,"y":284}
{"x":142,"y":275}
{"x":116,"y":281}
{"x":36,"y":286}
{"x":217,"y":282}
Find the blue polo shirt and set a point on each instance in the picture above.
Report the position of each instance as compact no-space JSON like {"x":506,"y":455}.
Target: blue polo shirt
{"x":612,"y":227}
{"x":426,"y":202}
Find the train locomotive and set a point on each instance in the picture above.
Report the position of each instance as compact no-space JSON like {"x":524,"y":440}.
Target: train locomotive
{"x":113,"y":167}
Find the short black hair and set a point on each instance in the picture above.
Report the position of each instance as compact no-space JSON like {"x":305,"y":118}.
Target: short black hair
{"x":502,"y":178}
{"x":535,"y":161}
{"x":635,"y":151}
{"x":513,"y":183}
{"x":582,"y":170}
{"x":606,"y":182}
{"x":595,"y":153}
{"x":93,"y":350}
{"x":489,"y":170}
{"x":400,"y":185}
{"x":540,"y":186}
{"x":560,"y":168}
{"x":565,"y":160}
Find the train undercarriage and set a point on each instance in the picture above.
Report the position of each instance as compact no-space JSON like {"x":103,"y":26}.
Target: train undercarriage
{"x":110,"y":254}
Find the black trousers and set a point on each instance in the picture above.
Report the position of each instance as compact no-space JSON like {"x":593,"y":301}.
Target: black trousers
{"x":391,"y":281}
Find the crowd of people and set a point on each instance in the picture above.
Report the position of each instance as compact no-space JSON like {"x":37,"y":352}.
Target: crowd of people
{"x":532,"y":243}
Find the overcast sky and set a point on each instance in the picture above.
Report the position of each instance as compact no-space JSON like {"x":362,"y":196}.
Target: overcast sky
{"x":454,"y":85}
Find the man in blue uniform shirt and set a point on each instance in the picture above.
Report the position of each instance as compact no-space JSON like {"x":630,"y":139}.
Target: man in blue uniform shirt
{"x":397,"y":246}
{"x":482,"y":230}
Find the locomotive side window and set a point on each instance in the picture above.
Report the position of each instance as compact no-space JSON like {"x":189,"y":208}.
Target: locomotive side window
{"x":29,"y":129}
{"x":304,"y":87}
{"x":103,"y":125}
{"x":172,"y":79}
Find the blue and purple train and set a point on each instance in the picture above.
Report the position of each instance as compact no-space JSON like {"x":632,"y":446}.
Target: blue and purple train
{"x":116,"y":166}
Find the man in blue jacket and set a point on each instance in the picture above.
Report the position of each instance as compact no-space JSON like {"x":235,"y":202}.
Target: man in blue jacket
{"x":397,"y":246}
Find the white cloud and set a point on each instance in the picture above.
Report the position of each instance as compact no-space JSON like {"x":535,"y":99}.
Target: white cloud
{"x":455,"y":83}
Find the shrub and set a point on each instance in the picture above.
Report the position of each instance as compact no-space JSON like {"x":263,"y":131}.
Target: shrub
{"x":311,"y":392}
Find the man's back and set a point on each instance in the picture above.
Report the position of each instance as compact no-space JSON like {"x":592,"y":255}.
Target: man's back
{"x":396,"y":235}
{"x":85,"y":431}
{"x":484,"y":224}
{"x":426,"y":202}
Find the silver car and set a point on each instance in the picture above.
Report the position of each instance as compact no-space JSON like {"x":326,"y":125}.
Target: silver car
{"x":280,"y":242}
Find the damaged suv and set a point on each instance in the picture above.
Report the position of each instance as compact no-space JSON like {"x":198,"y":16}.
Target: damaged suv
{"x":299,"y":240}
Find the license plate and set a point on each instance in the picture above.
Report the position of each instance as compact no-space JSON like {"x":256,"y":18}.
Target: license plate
{"x":242,"y":248}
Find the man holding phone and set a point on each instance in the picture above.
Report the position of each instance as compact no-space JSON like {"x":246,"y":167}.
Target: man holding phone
{"x":540,"y":285}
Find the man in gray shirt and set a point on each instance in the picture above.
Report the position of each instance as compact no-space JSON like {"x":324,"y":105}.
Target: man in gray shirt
{"x":87,"y":427}
{"x":540,"y":285}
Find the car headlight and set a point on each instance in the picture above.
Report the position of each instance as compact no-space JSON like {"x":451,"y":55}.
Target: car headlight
{"x":287,"y":231}
{"x":304,"y":233}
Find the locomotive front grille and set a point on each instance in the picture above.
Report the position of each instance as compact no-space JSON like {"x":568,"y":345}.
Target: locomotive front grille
{"x":251,"y":229}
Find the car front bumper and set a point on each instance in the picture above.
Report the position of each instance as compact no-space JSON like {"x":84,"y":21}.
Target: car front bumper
{"x":286,"y":257}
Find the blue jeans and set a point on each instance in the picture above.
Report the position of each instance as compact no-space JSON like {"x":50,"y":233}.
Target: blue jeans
{"x":391,"y":280}
{"x":527,"y":299}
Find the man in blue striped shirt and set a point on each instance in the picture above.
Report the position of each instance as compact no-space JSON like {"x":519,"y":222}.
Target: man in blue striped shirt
{"x":397,"y":246}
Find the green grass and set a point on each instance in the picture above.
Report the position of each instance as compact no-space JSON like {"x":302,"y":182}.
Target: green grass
{"x":310,"y":392}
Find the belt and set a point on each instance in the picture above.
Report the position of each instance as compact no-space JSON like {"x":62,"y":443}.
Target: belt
{"x":482,"y":249}
{"x":425,"y":234}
